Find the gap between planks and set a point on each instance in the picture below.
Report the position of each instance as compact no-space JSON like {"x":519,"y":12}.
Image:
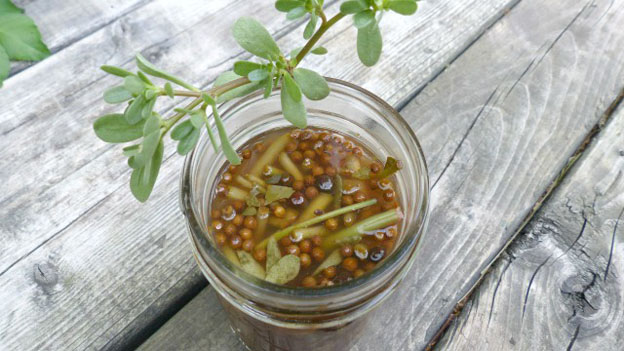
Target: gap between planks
{"x":590,"y":136}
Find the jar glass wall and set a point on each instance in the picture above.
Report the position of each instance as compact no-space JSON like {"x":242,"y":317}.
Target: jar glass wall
{"x":272,"y":317}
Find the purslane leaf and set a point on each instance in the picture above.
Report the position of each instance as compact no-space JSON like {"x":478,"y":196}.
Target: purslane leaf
{"x":5,"y":66}
{"x":152,"y":124}
{"x":116,"y":95}
{"x":403,"y":7}
{"x":351,"y":7}
{"x":20,"y":38}
{"x":287,"y":5}
{"x":242,"y":68}
{"x":310,"y":27}
{"x":148,"y":147}
{"x":6,"y":6}
{"x":181,"y":130}
{"x":291,"y":87}
{"x":197,"y":118}
{"x":294,"y":111}
{"x":146,"y":112}
{"x":134,"y":85}
{"x":114,"y":128}
{"x":369,"y":44}
{"x":134,"y":112}
{"x":258,"y":75}
{"x":116,"y":71}
{"x":312,"y":84}
{"x":253,"y":37}
{"x":187,"y":143}
{"x":364,"y":18}
{"x":319,"y":50}
{"x":149,"y":68}
{"x":143,"y":178}
{"x":296,"y":13}
{"x":169,"y":90}
{"x":226,"y":146}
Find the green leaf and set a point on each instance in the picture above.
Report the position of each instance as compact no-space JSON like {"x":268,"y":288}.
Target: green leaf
{"x":149,"y":68}
{"x":276,"y":193}
{"x":151,"y":125}
{"x":181,"y":130}
{"x":369,"y":44}
{"x":5,"y":66}
{"x":234,"y":93}
{"x":148,"y":147}
{"x":253,"y":37}
{"x":285,"y":270}
{"x":144,"y":78}
{"x":310,"y":27}
{"x":134,"y":85}
{"x":312,"y":84}
{"x":351,"y":7}
{"x":250,"y":211}
{"x":115,"y":129}
{"x":391,"y":166}
{"x":242,"y":68}
{"x":169,"y":90}
{"x":116,"y":71}
{"x":291,"y":87}
{"x":143,"y":178}
{"x":20,"y":37}
{"x":287,"y":5}
{"x":296,"y":13}
{"x":294,"y":111}
{"x":146,"y":112}
{"x":403,"y":7}
{"x":208,"y":99}
{"x":268,"y":85}
{"x":252,"y":198}
{"x":197,"y":118}
{"x":364,"y":18}
{"x":319,"y":50}
{"x":131,"y":150}
{"x":226,"y":146}
{"x":116,"y":95}
{"x":149,"y":93}
{"x":250,"y":265}
{"x":134,"y":112}
{"x":294,"y":52}
{"x":188,"y":142}
{"x":332,"y":259}
{"x":273,"y":253}
{"x":258,"y":75}
{"x":6,"y":6}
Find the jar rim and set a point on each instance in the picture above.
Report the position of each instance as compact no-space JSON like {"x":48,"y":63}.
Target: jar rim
{"x":398,"y":254}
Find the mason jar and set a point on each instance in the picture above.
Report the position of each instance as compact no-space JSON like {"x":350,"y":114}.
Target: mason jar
{"x":274,"y":317}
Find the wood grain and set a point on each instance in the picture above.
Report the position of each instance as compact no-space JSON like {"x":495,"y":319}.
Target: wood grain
{"x":559,"y":286}
{"x":62,"y":23}
{"x":65,"y":204}
{"x":497,"y":127}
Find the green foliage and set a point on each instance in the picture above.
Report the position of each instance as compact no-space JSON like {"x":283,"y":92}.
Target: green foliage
{"x":19,"y":38}
{"x":268,"y":68}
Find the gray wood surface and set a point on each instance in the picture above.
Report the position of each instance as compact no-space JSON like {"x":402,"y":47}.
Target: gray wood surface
{"x":82,"y":264}
{"x":497,"y":127}
{"x":559,"y":286}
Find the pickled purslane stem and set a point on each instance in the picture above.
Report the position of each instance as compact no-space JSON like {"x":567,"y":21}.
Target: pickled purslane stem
{"x":318,"y":219}
{"x":355,"y":232}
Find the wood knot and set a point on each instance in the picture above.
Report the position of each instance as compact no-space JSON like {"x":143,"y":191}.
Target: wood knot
{"x":45,"y":275}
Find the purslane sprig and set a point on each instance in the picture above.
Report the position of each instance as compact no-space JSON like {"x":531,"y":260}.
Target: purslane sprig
{"x":269,"y":68}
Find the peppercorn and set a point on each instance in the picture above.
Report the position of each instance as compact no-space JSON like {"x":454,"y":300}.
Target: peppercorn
{"x":331,"y":224}
{"x":311,"y":192}
{"x":389,"y":205}
{"x":305,"y":246}
{"x":379,"y":235}
{"x":376,"y":254}
{"x":384,"y":184}
{"x":306,"y":135}
{"x":230,"y":229}
{"x":388,"y":195}
{"x":263,"y":212}
{"x":308,"y":282}
{"x":248,"y":245}
{"x":350,"y":264}
{"x":317,"y":171}
{"x":346,"y":251}
{"x":214,"y":214}
{"x":309,"y":154}
{"x":305,"y":259}
{"x":279,"y":211}
{"x":246,"y":154}
{"x":238,"y":205}
{"x":250,"y":222}
{"x":245,"y":233}
{"x":232,"y":168}
{"x":217,"y":225}
{"x":298,"y":185}
{"x":304,"y":145}
{"x":369,"y":266}
{"x":358,"y":273}
{"x":318,"y":254}
{"x":228,"y":213}
{"x":220,"y":238}
{"x":296,"y":156}
{"x":297,"y":199}
{"x":227,"y":177}
{"x":359,"y":196}
{"x":236,"y":241}
{"x":285,"y":241}
{"x":348,"y":219}
{"x":309,"y":180}
{"x":324,"y":282}
{"x":260,"y":255}
{"x":361,"y":251}
{"x":375,"y":167}
{"x":259,"y":147}
{"x":330,"y":171}
{"x":290,"y":147}
{"x":357,"y":151}
{"x":307,"y":163}
{"x":329,"y":272}
{"x":293,"y":250}
{"x":347,"y":200}
{"x":295,"y":134}
{"x":391,"y":232}
{"x":238,"y":220}
{"x":316,"y":240}
{"x":324,"y":183}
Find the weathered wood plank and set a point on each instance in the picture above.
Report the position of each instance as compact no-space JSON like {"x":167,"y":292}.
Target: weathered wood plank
{"x":61,"y":23}
{"x":559,"y":285}
{"x":131,"y":263}
{"x":496,"y":126}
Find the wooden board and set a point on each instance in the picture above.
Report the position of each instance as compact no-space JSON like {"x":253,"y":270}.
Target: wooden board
{"x":117,"y":266}
{"x":497,"y":127}
{"x":559,"y":286}
{"x":62,"y":23}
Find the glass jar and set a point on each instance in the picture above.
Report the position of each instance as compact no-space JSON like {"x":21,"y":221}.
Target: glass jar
{"x":272,"y":317}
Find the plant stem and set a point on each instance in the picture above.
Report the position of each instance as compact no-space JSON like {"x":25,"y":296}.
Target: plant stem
{"x":319,"y":33}
{"x":380,"y":220}
{"x":282,"y":233}
{"x":184,"y":93}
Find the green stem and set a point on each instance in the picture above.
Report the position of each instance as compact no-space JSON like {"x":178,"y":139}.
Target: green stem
{"x":315,"y":38}
{"x":378,"y":221}
{"x":282,"y":233}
